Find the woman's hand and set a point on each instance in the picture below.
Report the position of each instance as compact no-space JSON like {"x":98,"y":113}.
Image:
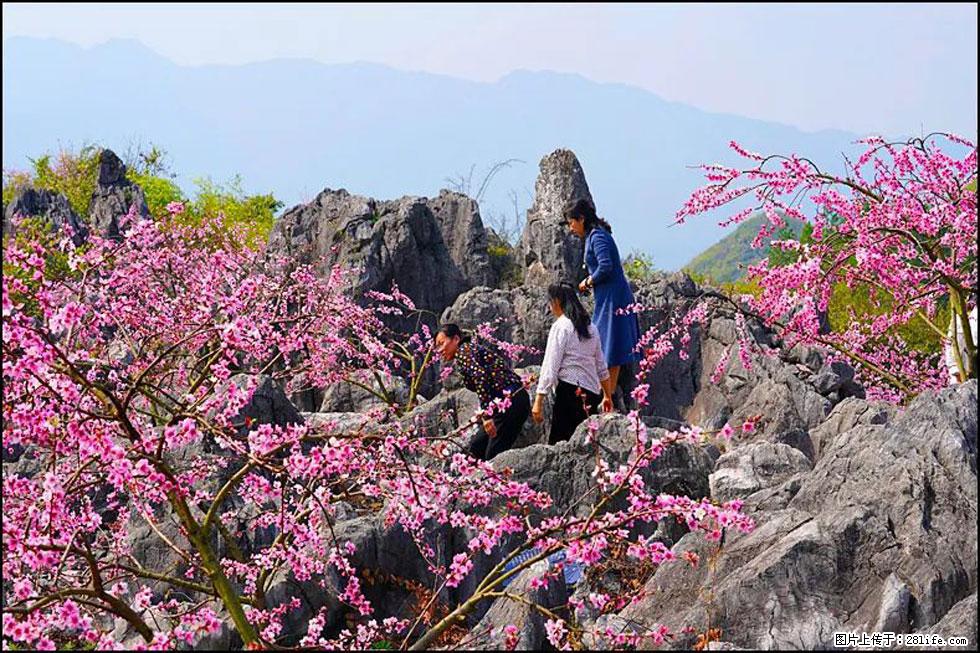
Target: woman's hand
{"x":607,"y":403}
{"x":583,"y":286}
{"x":490,"y":428}
{"x":537,"y":410}
{"x":537,"y":413}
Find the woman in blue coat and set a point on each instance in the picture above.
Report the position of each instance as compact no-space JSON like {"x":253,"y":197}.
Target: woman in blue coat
{"x":619,"y":333}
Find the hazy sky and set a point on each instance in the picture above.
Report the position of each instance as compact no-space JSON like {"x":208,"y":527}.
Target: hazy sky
{"x":886,"y":68}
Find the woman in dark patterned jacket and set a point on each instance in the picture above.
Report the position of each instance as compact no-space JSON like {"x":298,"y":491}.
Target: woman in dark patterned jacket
{"x":487,"y":373}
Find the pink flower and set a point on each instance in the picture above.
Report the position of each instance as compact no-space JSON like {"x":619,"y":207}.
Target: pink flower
{"x":511,"y":635}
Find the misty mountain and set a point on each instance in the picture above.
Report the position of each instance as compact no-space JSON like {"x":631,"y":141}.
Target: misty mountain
{"x":295,"y":127}
{"x":728,"y":259}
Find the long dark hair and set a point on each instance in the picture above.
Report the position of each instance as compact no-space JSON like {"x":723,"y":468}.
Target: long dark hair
{"x":452,"y":330}
{"x":583,"y":208}
{"x":572,"y":307}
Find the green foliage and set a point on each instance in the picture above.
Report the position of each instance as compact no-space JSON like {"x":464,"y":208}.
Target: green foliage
{"x":253,"y":213}
{"x":37,"y":229}
{"x":779,"y":257}
{"x":73,"y":175}
{"x":158,"y":190}
{"x":504,"y":261}
{"x":13,"y":182}
{"x":866,"y":302}
{"x":741,"y":286}
{"x":76,"y":174}
{"x":726,"y":261}
{"x":638,"y":266}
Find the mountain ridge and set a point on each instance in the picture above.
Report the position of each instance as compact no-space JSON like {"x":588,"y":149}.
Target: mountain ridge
{"x":295,"y":126}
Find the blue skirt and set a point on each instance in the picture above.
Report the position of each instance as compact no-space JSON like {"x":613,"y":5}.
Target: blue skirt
{"x":619,"y":333}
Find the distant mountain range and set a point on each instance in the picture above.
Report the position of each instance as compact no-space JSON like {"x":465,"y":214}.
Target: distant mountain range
{"x":727,"y":260}
{"x":294,"y":127}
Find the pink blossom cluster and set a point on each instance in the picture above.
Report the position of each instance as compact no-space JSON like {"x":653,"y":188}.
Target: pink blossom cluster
{"x":126,"y":381}
{"x":899,"y":226}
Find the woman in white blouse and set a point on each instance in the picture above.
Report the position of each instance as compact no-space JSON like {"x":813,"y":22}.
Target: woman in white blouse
{"x":573,"y":366}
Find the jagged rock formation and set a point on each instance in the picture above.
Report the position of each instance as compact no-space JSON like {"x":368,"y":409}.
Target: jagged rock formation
{"x":112,"y":198}
{"x":551,"y":252}
{"x":531,"y":635}
{"x":434,"y":249}
{"x":398,"y":241}
{"x":465,"y":236}
{"x":52,"y":206}
{"x":349,"y":397}
{"x":879,"y":535}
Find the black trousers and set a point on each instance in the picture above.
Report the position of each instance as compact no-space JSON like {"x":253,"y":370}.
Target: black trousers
{"x":572,"y":405}
{"x":509,"y":424}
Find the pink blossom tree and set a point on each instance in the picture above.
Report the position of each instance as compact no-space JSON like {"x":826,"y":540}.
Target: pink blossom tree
{"x":127,"y":373}
{"x":901,"y":222}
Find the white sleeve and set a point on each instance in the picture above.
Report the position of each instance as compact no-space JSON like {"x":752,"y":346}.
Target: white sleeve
{"x":553,"y":353}
{"x":600,"y":360}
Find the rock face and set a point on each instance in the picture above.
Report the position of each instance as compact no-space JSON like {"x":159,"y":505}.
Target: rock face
{"x":433,"y":249}
{"x":754,"y":467}
{"x":881,"y":532}
{"x":347,"y":397}
{"x":531,"y":634}
{"x":521,"y":315}
{"x":269,"y":404}
{"x":564,"y":470}
{"x":794,"y":390}
{"x":454,"y":408}
{"x":51,"y":206}
{"x":960,"y":621}
{"x":551,"y":253}
{"x":113,"y":197}
{"x":465,"y":236}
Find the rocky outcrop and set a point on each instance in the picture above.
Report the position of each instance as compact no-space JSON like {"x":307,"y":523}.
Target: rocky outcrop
{"x":564,"y":470}
{"x":754,"y":467}
{"x":551,"y":252}
{"x":398,"y":241}
{"x":960,"y":621}
{"x":114,"y":196}
{"x":433,"y":248}
{"x":347,"y":397}
{"x":465,"y":236}
{"x":520,"y":315}
{"x":268,"y":405}
{"x":49,"y":205}
{"x":881,"y":532}
{"x":489,"y":635}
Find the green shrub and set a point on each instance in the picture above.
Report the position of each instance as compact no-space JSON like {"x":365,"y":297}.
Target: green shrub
{"x":37,"y":229}
{"x":638,"y":266}
{"x":73,"y":175}
{"x":13,"y":182}
{"x":254,"y":213}
{"x":504,"y":261}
